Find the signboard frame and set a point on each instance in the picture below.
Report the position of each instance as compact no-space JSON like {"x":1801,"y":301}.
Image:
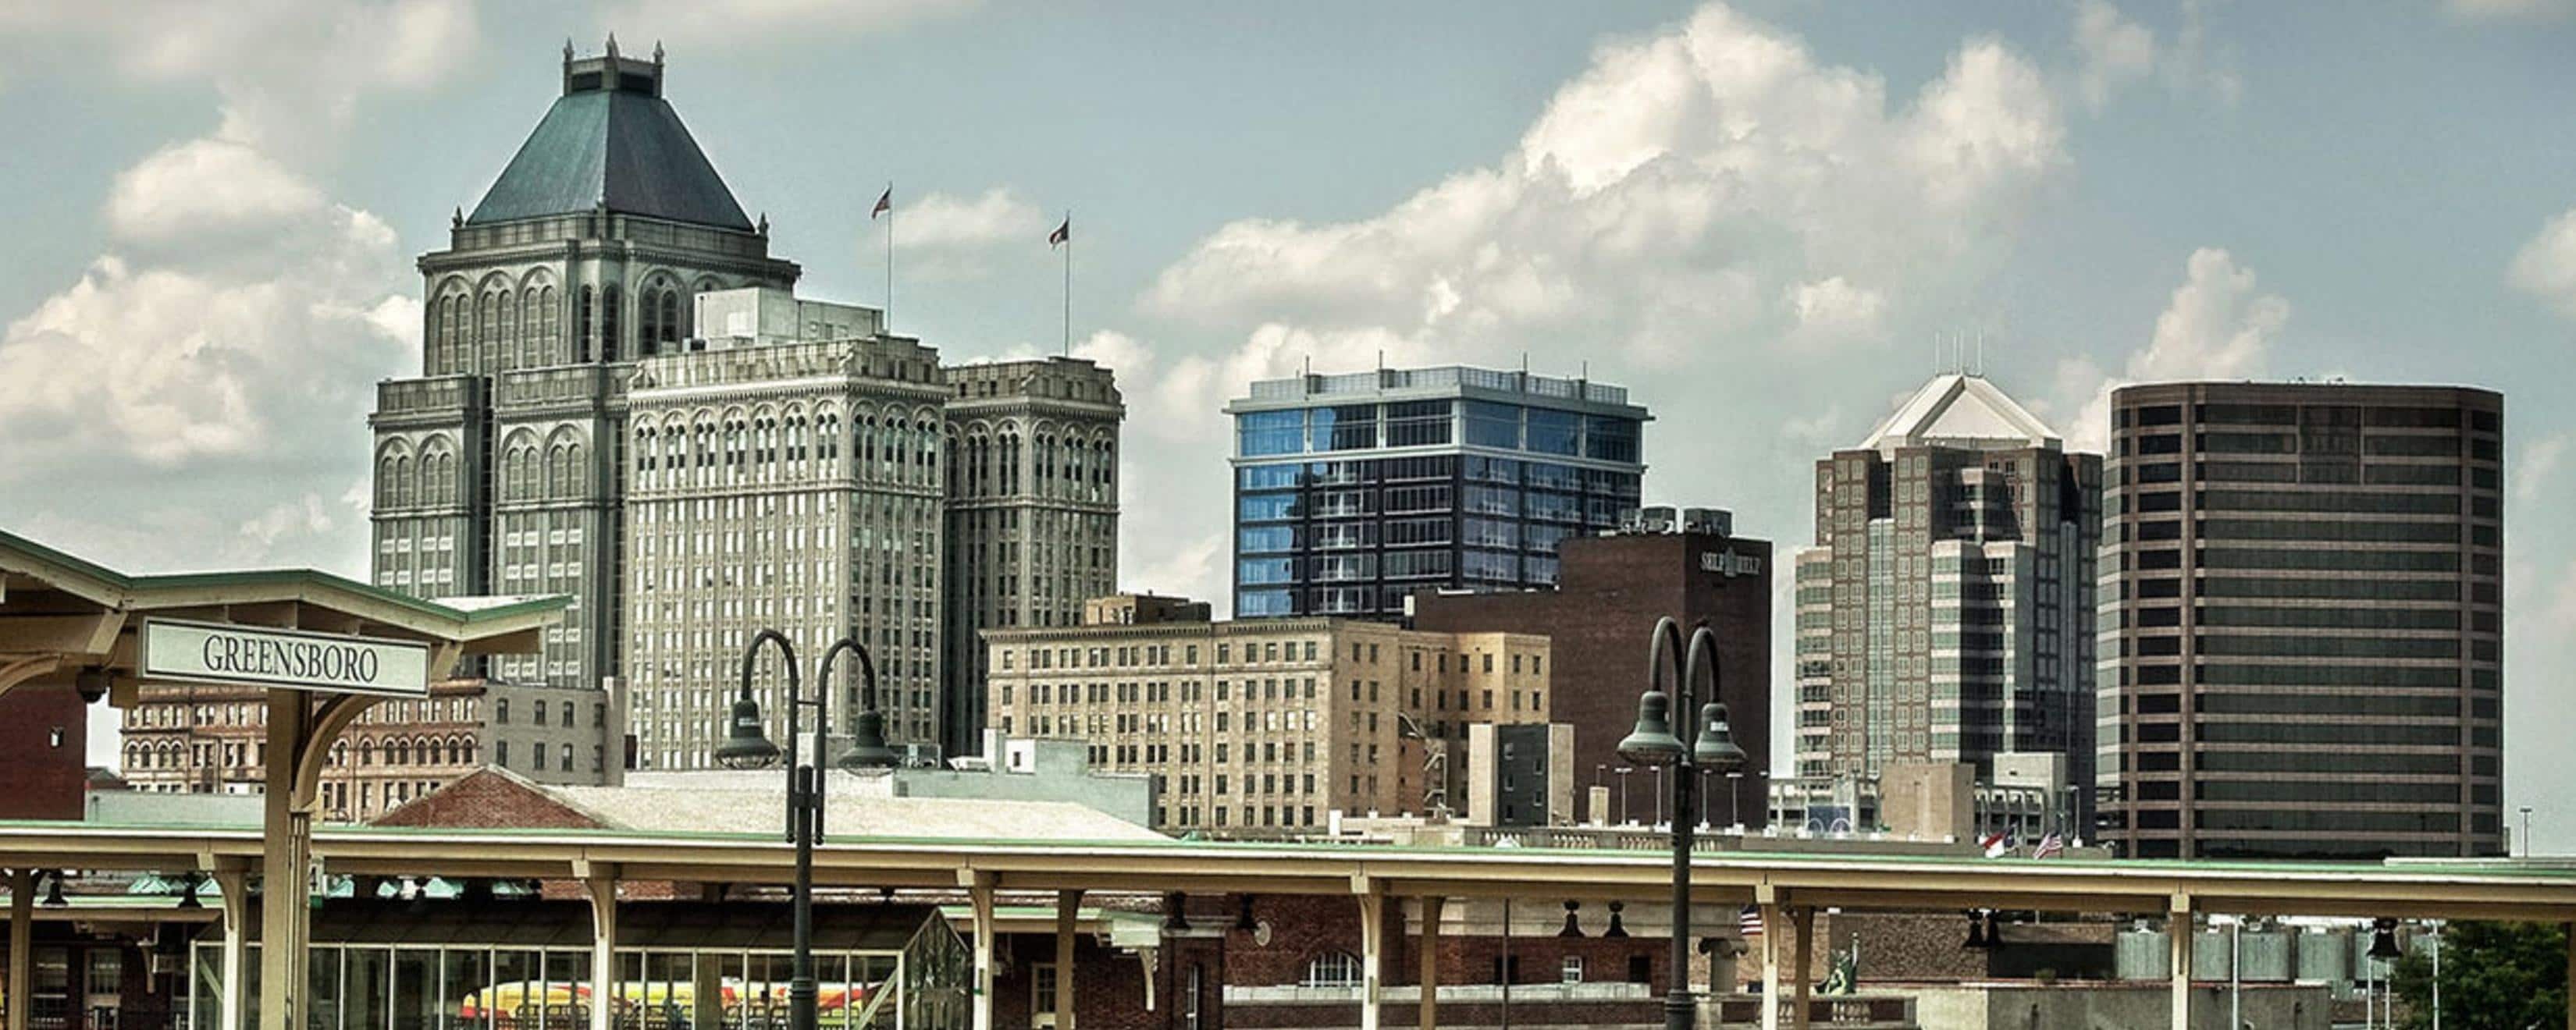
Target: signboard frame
{"x":145,"y":669}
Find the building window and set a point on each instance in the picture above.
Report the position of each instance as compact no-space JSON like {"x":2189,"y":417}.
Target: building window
{"x":501,"y":713}
{"x":1572,"y":971}
{"x":1333,"y":969}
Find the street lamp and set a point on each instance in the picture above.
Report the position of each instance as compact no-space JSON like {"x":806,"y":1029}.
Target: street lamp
{"x":747,"y":746}
{"x":2526,"y":831}
{"x":1712,"y":746}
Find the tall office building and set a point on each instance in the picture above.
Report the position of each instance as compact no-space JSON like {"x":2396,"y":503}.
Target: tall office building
{"x":497,"y":470}
{"x":1353,"y":491}
{"x":1267,"y":726}
{"x":788,"y":485}
{"x":2302,"y":621}
{"x":1032,"y":511}
{"x":1945,"y":613}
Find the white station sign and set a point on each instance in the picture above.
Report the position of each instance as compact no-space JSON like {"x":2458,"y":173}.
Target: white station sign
{"x":205,"y":652}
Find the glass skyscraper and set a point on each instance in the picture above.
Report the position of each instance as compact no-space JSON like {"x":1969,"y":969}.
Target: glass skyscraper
{"x":1354,"y":491}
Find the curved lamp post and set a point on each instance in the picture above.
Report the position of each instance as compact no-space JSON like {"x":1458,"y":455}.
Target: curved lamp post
{"x":1711,"y":747}
{"x":747,"y":746}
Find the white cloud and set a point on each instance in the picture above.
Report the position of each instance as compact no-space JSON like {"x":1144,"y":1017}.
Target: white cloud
{"x":1710,"y":205}
{"x":2115,"y":50}
{"x":937,"y":220}
{"x":304,"y":515}
{"x":2510,"y":10}
{"x":768,"y":23}
{"x":2538,"y":464}
{"x":189,"y":191}
{"x":2216,"y":325}
{"x":289,"y":73}
{"x":2546,"y":265}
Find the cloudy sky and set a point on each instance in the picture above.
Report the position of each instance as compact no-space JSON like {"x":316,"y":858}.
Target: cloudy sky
{"x":1759,"y":217}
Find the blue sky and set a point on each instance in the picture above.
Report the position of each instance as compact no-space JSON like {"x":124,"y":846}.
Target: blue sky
{"x":1756,"y":216}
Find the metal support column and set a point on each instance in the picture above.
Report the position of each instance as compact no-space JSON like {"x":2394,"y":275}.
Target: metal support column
{"x":22,"y":944}
{"x":1430,"y":961}
{"x":601,"y":886}
{"x":1770,"y":965}
{"x":1372,"y":944}
{"x":979,"y":890}
{"x":1803,"y":964}
{"x":1067,"y":905}
{"x":2178,"y":938}
{"x":285,"y":922}
{"x":234,"y":885}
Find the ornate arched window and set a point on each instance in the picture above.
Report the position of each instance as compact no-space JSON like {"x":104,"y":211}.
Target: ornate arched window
{"x":609,"y":308}
{"x":585,"y":315}
{"x":1333,"y":969}
{"x":549,"y":335}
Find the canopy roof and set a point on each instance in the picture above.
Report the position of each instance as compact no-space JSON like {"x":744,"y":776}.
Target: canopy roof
{"x":60,"y":614}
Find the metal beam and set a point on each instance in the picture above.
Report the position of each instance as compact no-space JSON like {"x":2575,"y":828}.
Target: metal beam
{"x":600,"y":886}
{"x":22,"y":945}
{"x":234,"y":884}
{"x":1803,"y":962}
{"x":2178,"y":934}
{"x":1067,"y":905}
{"x":1430,"y":961}
{"x":1372,"y":946}
{"x":980,"y":894}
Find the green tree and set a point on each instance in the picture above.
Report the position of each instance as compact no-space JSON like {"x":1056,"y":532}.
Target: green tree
{"x":2495,"y":976}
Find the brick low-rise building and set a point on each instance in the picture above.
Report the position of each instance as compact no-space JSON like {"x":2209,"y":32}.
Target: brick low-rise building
{"x":1599,"y":620}
{"x":43,"y":734}
{"x":1267,"y":726}
{"x":210,"y":740}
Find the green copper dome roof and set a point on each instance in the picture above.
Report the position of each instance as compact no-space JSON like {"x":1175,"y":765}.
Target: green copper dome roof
{"x":612,"y":145}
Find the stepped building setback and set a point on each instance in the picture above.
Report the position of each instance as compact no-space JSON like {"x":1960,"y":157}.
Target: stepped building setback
{"x":1945,"y":613}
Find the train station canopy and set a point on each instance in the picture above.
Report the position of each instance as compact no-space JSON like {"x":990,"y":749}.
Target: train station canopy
{"x":66,"y":621}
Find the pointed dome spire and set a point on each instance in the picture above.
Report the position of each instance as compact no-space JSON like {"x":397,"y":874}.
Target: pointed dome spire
{"x":611,"y":143}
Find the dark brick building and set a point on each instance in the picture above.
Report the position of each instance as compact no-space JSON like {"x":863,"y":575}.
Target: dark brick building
{"x":44,"y":738}
{"x":1600,"y":618}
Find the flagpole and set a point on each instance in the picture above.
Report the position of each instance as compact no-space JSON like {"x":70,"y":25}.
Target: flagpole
{"x":889,"y":269}
{"x":1068,"y":282}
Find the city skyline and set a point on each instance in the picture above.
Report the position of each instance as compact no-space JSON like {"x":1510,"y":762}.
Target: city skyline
{"x":2013,"y":145}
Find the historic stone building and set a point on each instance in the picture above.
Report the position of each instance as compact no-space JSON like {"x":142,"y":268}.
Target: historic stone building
{"x":791,"y":485}
{"x":621,"y":399}
{"x":1267,"y":726}
{"x":213,"y":740}
{"x":1032,"y":510}
{"x":497,"y":470}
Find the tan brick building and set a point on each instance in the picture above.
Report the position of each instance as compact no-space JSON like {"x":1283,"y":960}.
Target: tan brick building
{"x":1266,"y":726}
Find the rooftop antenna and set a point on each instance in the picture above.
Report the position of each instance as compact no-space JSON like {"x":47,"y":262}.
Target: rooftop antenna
{"x":1981,"y":353}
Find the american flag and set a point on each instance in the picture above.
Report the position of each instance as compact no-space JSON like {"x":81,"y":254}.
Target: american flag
{"x":1748,"y":923}
{"x":2050,"y":846}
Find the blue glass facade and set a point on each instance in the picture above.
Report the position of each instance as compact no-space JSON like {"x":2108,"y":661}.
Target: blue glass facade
{"x":1352,"y":492}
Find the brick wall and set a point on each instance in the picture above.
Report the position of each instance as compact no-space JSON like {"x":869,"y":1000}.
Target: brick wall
{"x":1600,"y":621}
{"x":44,"y":737}
{"x":489,"y":799}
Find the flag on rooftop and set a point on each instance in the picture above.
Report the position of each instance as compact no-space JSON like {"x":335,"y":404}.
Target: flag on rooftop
{"x":1748,"y":923}
{"x":1995,"y":844}
{"x":1062,"y":235}
{"x":2050,"y":846}
{"x":885,"y":203}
